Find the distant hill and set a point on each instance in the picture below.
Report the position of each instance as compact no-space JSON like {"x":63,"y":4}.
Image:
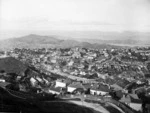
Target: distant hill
{"x":124,"y":38}
{"x":127,"y":41}
{"x":37,"y":41}
{"x":68,"y":43}
{"x":67,"y":39}
{"x":29,"y":41}
{"x":97,"y":46}
{"x":89,"y":40}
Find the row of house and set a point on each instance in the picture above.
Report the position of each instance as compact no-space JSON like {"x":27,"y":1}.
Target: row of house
{"x":78,"y":87}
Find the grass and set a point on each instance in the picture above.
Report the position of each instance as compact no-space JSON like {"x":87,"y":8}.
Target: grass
{"x":11,"y":65}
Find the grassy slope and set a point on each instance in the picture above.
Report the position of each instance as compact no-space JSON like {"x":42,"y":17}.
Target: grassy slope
{"x":11,"y":65}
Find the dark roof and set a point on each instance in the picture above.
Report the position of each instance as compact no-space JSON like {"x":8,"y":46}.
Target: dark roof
{"x":140,"y":89}
{"x":125,"y":99}
{"x":134,"y":98}
{"x":67,"y":81}
{"x":87,"y":86}
{"x":134,"y":85}
{"x":76,"y":85}
{"x":110,"y":81}
{"x":104,"y":88}
{"x":100,"y":87}
{"x":95,"y":87}
{"x":116,"y":87}
{"x":57,"y":89}
{"x":148,"y":90}
{"x":147,"y":75}
{"x":122,"y":83}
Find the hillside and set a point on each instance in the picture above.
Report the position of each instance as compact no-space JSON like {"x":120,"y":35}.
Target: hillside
{"x":37,"y":41}
{"x":11,"y":65}
{"x":77,"y":38}
{"x":68,"y":43}
{"x":121,"y":41}
{"x":125,"y":37}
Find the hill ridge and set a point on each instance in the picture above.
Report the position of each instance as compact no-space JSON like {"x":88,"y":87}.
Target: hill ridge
{"x":37,"y":41}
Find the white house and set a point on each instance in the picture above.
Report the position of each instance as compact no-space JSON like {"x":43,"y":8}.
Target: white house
{"x":99,"y":89}
{"x":70,"y":63}
{"x":74,"y":86}
{"x":53,"y":60}
{"x":55,"y":90}
{"x":98,"y":92}
{"x":71,"y":89}
{"x":33,"y":81}
{"x":82,"y":73}
{"x":39,"y":79}
{"x":46,"y":81}
{"x":2,"y":80}
{"x":62,"y":83}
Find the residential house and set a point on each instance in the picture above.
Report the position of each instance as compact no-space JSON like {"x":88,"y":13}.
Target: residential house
{"x":135,"y":103}
{"x":53,"y":60}
{"x":87,"y":87}
{"x":33,"y":81}
{"x":82,"y":72}
{"x":76,"y":55}
{"x":22,"y":87}
{"x":125,"y":99}
{"x":2,"y":80}
{"x":99,"y":89}
{"x":39,"y":79}
{"x":135,"y":99}
{"x":70,"y":63}
{"x":46,"y":81}
{"x":122,"y":82}
{"x":116,"y":87}
{"x":74,"y":86}
{"x":62,"y":83}
{"x":90,"y":57}
{"x":4,"y":84}
{"x":75,"y":72}
{"x":103,"y":76}
{"x":147,"y":76}
{"x":148,"y":91}
{"x":55,"y":90}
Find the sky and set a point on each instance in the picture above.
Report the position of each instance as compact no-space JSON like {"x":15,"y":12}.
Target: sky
{"x":74,"y":15}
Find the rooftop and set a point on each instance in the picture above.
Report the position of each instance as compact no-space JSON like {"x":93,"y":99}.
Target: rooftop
{"x":67,"y":81}
{"x":100,"y":87}
{"x":76,"y":85}
{"x":57,"y":89}
{"x":4,"y":84}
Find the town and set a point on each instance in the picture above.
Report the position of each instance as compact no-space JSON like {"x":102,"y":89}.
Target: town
{"x":122,"y":74}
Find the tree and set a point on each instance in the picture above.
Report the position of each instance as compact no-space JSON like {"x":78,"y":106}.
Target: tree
{"x":2,"y":71}
{"x":14,"y":87}
{"x":116,"y":94}
{"x":148,"y":66}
